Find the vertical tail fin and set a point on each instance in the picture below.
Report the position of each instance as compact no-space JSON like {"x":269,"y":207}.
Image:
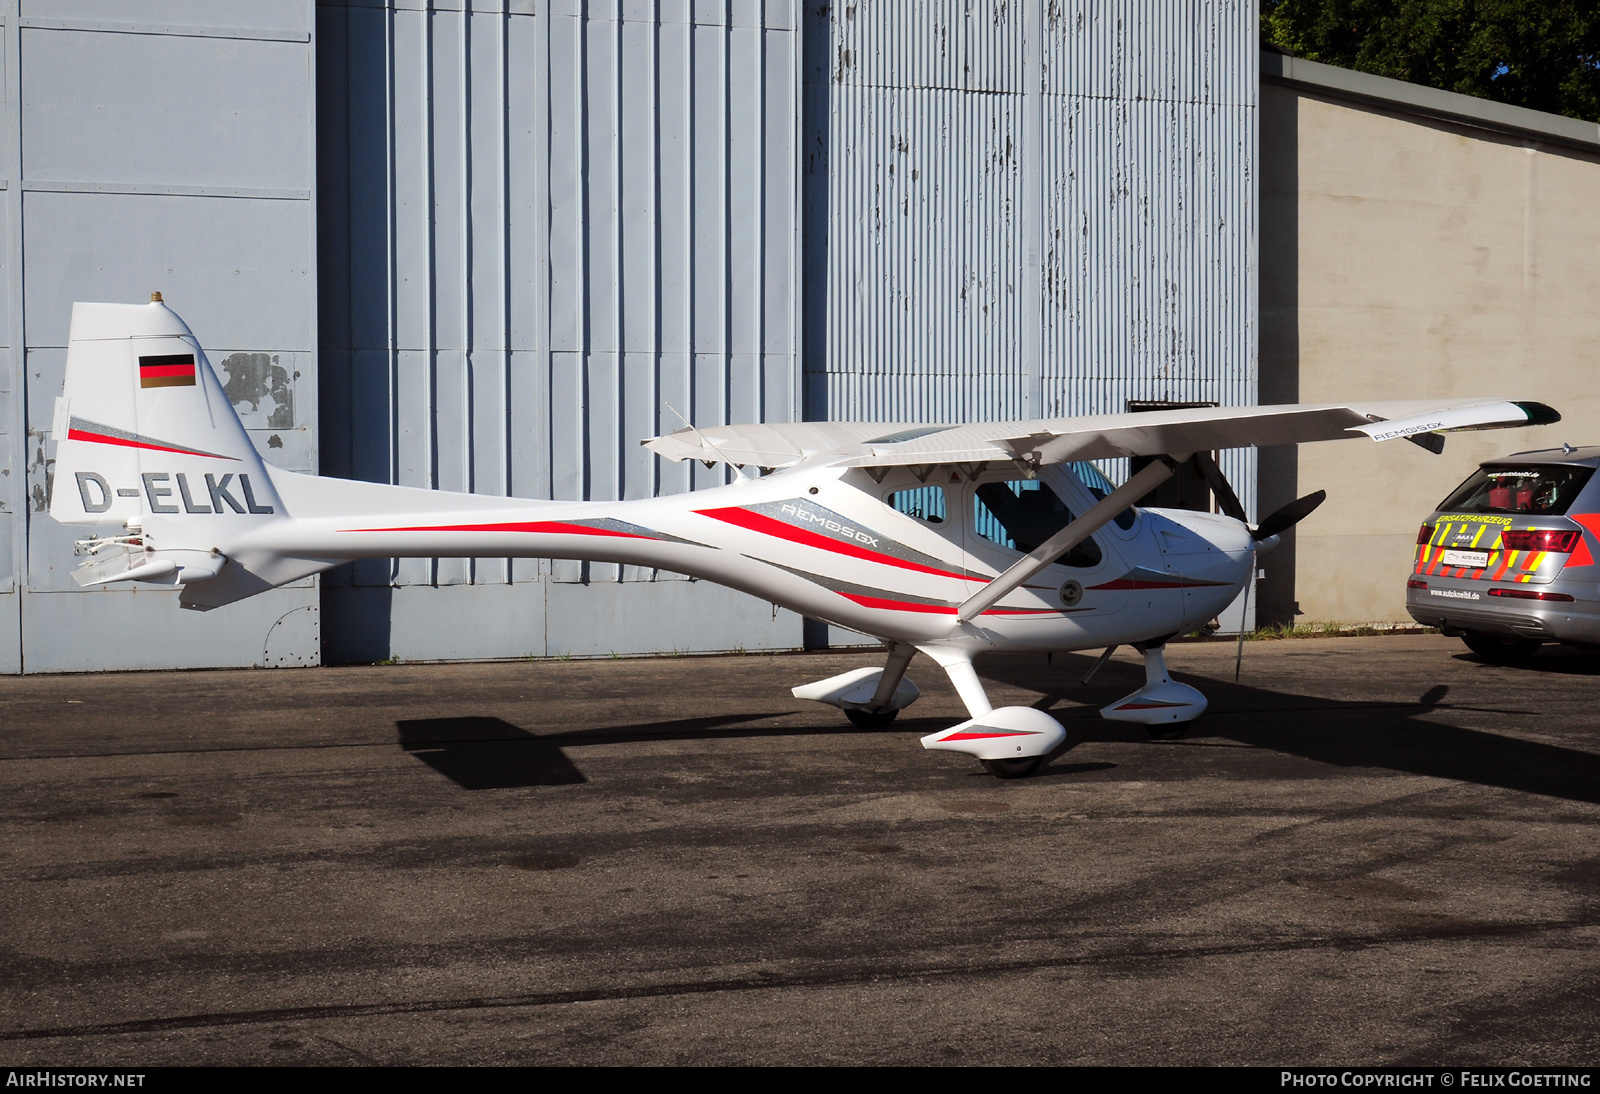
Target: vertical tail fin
{"x":148,"y":440}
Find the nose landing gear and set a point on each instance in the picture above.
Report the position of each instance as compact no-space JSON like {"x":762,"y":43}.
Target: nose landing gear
{"x":1163,"y":706}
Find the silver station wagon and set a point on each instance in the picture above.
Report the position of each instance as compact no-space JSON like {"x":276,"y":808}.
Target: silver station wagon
{"x":1508,"y":561}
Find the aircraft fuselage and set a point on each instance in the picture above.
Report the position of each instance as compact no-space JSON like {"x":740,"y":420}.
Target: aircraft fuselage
{"x":828,"y":543}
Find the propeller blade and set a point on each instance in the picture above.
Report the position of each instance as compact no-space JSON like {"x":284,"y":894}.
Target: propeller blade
{"x":1221,"y":489}
{"x":1289,"y":516}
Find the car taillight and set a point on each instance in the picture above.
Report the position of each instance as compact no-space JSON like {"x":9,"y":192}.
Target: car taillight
{"x":1541,"y":540}
{"x":1528,"y":594}
{"x":1415,"y":583}
{"x":1425,"y":535}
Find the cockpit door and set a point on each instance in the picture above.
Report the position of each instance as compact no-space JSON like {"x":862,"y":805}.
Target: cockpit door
{"x":1004,"y":517}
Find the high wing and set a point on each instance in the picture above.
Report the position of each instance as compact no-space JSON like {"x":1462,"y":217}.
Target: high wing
{"x":1104,"y":436}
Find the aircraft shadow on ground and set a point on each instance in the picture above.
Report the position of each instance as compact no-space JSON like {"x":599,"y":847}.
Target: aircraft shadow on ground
{"x":480,"y":753}
{"x":1394,"y":735}
{"x":485,"y":753}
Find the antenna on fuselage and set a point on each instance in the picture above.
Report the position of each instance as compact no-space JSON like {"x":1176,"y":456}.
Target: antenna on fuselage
{"x":737,"y":469}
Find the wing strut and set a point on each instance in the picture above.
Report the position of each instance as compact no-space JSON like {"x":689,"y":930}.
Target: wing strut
{"x":1098,"y":516}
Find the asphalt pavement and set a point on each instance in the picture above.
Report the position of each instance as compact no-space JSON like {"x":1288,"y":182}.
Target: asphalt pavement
{"x":1368,"y":851}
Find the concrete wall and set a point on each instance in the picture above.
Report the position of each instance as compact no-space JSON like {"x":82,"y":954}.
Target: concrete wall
{"x":1405,"y":254}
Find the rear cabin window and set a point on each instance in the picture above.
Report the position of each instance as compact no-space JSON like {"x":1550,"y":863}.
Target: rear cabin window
{"x":924,"y":503}
{"x":1021,"y":515}
{"x":1526,"y":489}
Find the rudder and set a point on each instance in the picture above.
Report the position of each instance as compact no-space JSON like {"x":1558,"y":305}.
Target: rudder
{"x":148,"y":441}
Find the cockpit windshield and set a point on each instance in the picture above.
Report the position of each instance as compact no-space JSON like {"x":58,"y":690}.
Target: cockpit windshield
{"x":1525,"y":489}
{"x":1096,"y":483}
{"x":1021,"y":515}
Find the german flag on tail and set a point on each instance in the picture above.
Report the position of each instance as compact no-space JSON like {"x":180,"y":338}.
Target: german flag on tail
{"x":167,"y":370}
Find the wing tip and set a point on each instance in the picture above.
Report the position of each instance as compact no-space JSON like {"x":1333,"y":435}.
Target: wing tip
{"x":1538,"y":413}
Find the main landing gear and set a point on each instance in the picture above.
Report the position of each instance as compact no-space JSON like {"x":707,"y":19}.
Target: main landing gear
{"x":1010,"y":742}
{"x":870,"y":698}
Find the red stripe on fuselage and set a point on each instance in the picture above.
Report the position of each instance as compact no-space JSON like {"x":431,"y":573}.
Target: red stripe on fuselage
{"x":934,"y":609}
{"x":899,"y":605}
{"x":101,"y":438}
{"x":757,"y":522}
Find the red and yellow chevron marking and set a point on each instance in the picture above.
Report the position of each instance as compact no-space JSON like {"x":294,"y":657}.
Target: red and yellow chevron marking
{"x":1507,"y":559}
{"x":1502,"y":563}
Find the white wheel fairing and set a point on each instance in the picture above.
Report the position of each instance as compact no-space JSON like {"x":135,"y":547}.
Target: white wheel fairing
{"x":1162,"y":700}
{"x":1007,"y":733}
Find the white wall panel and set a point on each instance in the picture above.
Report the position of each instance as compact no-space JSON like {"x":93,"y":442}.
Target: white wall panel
{"x":241,"y":271}
{"x":165,"y":109}
{"x":287,"y":17}
{"x":156,"y":146}
{"x":10,"y":628}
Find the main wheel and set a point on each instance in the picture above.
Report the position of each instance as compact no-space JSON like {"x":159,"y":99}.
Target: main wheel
{"x":1501,"y":651}
{"x":1012,"y":769}
{"x":1167,"y":731}
{"x":870,"y":719}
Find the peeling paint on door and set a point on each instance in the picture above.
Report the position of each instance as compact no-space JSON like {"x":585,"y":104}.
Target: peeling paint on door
{"x":255,"y":379}
{"x":41,"y":473}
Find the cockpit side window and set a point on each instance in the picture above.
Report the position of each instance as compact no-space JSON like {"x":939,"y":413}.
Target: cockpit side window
{"x":926,"y":503}
{"x":1022,"y":514}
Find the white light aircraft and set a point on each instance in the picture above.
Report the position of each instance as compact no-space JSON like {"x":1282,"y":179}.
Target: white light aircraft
{"x":949,"y":539}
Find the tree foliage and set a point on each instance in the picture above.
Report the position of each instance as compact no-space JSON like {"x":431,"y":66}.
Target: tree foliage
{"x":1542,"y":54}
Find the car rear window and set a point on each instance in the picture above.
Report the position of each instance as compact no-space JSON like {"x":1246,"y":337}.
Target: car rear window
{"x":1519,"y":489}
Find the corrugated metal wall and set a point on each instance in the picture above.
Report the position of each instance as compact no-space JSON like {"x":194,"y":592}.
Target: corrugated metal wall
{"x":546,"y":223}
{"x":1032,"y":208}
{"x":162,"y":145}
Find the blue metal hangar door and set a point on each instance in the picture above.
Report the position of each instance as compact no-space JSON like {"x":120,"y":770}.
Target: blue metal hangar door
{"x":1030,"y":208}
{"x":154,"y":146}
{"x":548,"y":228}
